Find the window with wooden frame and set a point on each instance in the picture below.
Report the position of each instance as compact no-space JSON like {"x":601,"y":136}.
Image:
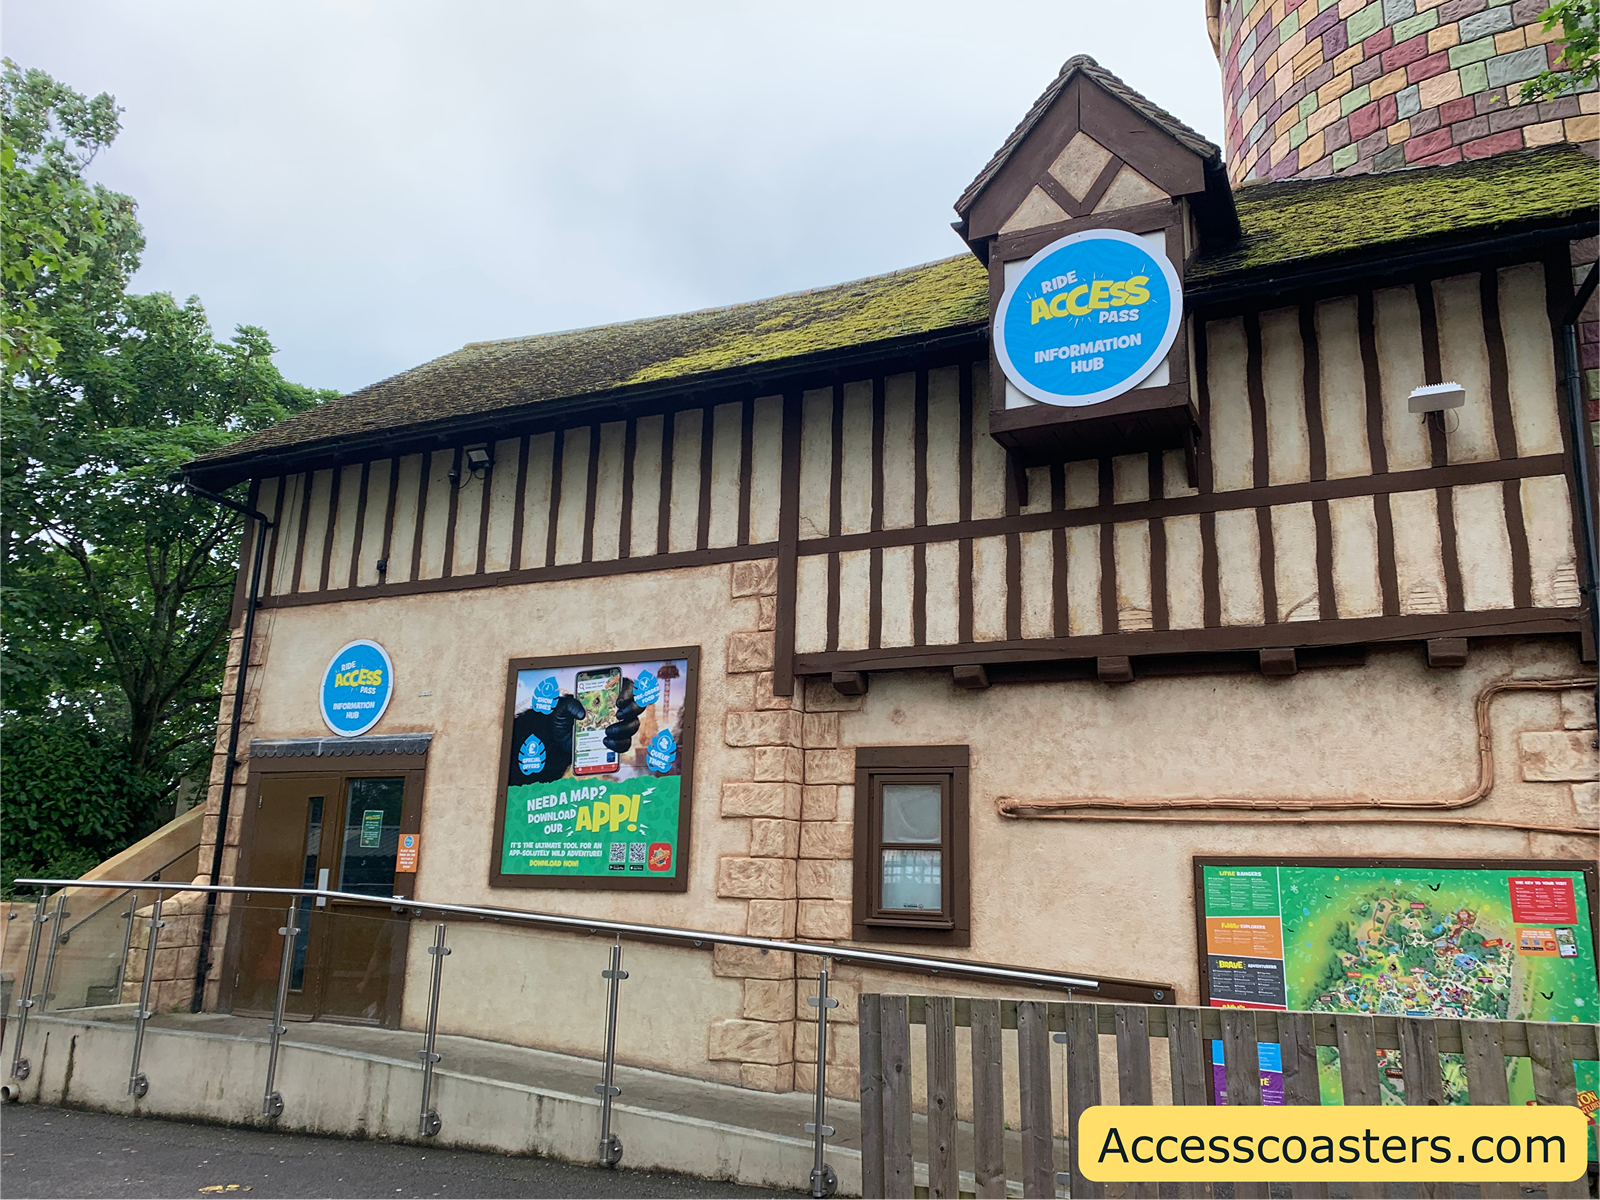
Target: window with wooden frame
{"x":912,"y":876}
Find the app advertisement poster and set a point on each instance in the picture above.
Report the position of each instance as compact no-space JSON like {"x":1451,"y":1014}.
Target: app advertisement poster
{"x":1486,"y":942}
{"x":596,"y":769}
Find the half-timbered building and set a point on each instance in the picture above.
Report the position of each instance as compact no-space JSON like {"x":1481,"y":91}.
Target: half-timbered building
{"x":1253,"y":607}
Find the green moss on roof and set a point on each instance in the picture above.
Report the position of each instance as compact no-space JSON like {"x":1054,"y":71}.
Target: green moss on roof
{"x":942,"y":295}
{"x":1286,"y":224}
{"x":484,"y":377}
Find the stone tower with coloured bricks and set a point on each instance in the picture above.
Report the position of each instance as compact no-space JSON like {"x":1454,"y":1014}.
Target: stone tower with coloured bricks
{"x":1324,"y":87}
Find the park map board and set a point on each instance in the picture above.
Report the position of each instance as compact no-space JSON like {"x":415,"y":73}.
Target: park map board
{"x":1486,"y":941}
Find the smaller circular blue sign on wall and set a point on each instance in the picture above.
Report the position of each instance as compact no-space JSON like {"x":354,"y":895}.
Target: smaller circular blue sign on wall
{"x":1088,"y":318}
{"x":356,"y":688}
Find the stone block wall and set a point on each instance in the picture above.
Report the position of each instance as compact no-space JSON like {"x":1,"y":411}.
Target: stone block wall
{"x":1567,"y":755}
{"x":1322,"y":87}
{"x":177,"y":952}
{"x":794,"y":878}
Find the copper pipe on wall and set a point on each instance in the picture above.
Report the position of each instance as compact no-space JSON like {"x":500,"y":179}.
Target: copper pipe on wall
{"x":1157,"y":808}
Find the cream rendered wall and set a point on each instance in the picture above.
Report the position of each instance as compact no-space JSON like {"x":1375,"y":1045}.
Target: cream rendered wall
{"x":1283,"y":386}
{"x":451,"y":651}
{"x":470,"y":495}
{"x":646,"y":488}
{"x":405,"y":519}
{"x":1398,"y":333}
{"x":1391,"y":729}
{"x":316,"y":527}
{"x":608,"y":493}
{"x":436,"y":514}
{"x":1342,"y":387}
{"x":1116,"y":898}
{"x":1530,"y":366}
{"x":344,"y":526}
{"x":766,"y":468}
{"x":1464,"y":359}
{"x":378,"y":484}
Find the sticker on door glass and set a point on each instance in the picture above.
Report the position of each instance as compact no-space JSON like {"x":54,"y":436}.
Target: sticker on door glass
{"x":371,"y":828}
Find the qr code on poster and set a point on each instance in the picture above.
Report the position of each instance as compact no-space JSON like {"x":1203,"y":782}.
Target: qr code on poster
{"x":619,"y":852}
{"x":636,"y":855}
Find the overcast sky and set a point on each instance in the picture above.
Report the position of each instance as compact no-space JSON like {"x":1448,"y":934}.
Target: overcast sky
{"x":380,"y":182}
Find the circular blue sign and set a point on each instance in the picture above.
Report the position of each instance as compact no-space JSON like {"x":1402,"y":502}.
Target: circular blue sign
{"x":356,"y":688}
{"x":1088,"y":318}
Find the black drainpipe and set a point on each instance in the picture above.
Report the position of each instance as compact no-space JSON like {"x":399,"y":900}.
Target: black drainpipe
{"x":203,"y":960}
{"x":1578,"y":420}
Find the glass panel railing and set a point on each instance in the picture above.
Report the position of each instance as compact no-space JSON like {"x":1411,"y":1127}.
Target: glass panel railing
{"x":14,"y":930}
{"x":91,"y":940}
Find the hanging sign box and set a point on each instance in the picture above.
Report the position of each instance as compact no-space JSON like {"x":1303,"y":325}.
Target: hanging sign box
{"x":1088,"y":317}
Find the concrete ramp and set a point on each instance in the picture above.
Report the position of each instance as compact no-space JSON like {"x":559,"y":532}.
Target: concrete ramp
{"x":365,"y":1082}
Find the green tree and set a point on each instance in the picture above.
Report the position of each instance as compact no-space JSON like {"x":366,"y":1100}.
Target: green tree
{"x":1579,"y":64}
{"x":118,"y":585}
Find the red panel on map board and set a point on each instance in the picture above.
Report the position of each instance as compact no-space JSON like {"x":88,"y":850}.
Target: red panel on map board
{"x":1241,"y":1004}
{"x":1539,"y":899}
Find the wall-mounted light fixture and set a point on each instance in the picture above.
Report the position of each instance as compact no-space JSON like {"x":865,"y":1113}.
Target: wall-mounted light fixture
{"x":478,"y":462}
{"x":1436,"y":397}
{"x":1435,"y":401}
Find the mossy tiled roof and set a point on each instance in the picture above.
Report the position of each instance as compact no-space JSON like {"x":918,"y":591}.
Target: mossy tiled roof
{"x":1290,"y":224}
{"x":1285,"y":223}
{"x":1084,"y":65}
{"x":486,"y":377}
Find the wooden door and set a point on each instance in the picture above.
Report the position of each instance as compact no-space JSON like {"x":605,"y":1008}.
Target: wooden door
{"x":286,"y":850}
{"x":362,"y":945}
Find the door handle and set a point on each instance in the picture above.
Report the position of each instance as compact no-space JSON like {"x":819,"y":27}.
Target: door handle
{"x":322,"y":886}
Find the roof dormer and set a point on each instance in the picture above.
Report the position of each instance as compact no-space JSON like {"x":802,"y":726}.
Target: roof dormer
{"x":1094,"y":156}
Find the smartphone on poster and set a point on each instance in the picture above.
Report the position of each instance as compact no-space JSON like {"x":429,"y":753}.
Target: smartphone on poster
{"x":598,"y":690}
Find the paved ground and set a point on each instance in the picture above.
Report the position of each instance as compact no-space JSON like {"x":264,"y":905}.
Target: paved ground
{"x":63,"y":1152}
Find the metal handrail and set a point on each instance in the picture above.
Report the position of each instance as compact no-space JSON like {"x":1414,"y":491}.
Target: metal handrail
{"x":1159,"y":992}
{"x":153,"y":877}
{"x":823,"y":1179}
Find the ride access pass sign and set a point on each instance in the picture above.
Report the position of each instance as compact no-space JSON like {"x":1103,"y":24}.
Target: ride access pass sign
{"x":594,"y":772}
{"x":1403,"y":940}
{"x":1088,"y":317}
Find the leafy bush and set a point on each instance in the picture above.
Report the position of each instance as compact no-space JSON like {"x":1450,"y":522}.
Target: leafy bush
{"x":71,"y":796}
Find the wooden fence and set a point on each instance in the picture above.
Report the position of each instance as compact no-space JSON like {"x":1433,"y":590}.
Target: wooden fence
{"x":890,"y":1135}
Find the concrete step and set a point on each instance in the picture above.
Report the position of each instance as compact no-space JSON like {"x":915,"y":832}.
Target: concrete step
{"x":358,"y":1081}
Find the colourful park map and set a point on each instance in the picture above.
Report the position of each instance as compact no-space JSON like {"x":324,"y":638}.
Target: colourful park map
{"x":1404,"y":941}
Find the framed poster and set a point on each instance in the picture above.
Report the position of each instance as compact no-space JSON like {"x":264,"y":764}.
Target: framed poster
{"x":596,"y":772}
{"x":1492,"y":939}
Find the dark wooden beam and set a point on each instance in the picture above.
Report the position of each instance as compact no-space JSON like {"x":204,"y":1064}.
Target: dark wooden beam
{"x":850,"y":683}
{"x":971,"y":676}
{"x":1114,"y":668}
{"x":1279,"y":661}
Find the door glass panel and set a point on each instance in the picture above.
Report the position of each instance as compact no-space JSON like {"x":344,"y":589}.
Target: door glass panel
{"x":911,"y":812}
{"x":360,"y":961}
{"x":912,"y":879}
{"x":308,"y":878}
{"x":371,"y":837}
